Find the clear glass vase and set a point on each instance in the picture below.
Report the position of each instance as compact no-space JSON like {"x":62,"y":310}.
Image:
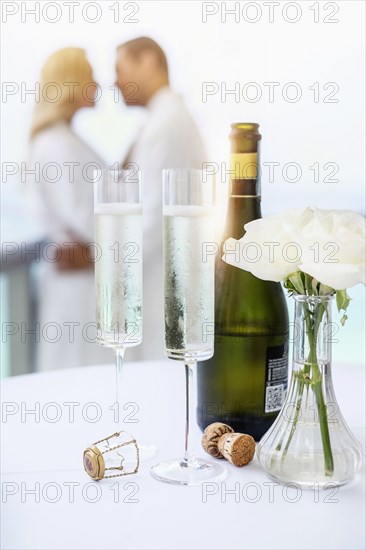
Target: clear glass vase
{"x":310,"y":441}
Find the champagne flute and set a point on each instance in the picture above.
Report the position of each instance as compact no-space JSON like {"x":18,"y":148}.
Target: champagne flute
{"x":189,"y":233}
{"x":118,"y":267}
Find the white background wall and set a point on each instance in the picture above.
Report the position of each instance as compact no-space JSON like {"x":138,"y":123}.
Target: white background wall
{"x":268,"y":50}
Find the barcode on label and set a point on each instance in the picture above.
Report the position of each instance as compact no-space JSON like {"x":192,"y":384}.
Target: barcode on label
{"x":275,"y":396}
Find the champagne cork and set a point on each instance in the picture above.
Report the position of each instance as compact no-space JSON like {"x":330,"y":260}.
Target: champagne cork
{"x":211,"y":437}
{"x":237,"y":448}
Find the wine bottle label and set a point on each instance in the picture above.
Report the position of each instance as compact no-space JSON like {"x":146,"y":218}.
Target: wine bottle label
{"x":243,"y":166}
{"x":276,"y":378}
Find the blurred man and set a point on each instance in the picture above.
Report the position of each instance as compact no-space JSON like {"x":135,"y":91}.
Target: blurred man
{"x":170,"y":139}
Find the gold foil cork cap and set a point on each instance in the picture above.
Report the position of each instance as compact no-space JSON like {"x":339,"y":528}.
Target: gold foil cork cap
{"x":113,"y":456}
{"x":94,"y":463}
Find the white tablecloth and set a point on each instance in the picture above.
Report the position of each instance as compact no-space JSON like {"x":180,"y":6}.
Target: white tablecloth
{"x":49,"y":502}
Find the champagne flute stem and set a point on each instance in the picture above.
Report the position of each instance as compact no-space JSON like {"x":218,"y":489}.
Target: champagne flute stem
{"x":119,"y":354}
{"x":188,"y":448}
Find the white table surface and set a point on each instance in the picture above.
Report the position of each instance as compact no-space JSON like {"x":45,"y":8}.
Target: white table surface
{"x":46,"y":456}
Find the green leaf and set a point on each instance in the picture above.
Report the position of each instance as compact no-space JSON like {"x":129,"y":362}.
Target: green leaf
{"x":343,"y":301}
{"x":310,"y":290}
{"x":295,"y":282}
{"x":343,"y":319}
{"x":316,"y":286}
{"x":325,"y":290}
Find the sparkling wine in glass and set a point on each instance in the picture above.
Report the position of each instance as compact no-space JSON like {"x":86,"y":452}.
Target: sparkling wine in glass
{"x":189,"y":234}
{"x":118,"y":267}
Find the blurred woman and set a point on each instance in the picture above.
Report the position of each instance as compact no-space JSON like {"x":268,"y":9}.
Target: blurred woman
{"x":63,"y":198}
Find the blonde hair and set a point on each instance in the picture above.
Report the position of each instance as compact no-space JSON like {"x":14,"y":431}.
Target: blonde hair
{"x":62,"y":70}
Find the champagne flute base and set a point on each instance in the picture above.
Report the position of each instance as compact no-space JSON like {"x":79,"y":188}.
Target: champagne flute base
{"x":191,"y":472}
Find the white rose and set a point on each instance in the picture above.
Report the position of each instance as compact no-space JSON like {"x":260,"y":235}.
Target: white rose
{"x":328,"y":245}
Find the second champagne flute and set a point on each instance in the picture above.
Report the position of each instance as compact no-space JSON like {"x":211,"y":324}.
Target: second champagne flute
{"x":189,"y":234}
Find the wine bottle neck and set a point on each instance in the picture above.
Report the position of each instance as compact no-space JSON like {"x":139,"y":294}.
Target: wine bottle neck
{"x":245,"y":188}
{"x":242,"y":209}
{"x":245,"y":191}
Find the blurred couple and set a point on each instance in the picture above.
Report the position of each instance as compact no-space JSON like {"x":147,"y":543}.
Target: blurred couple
{"x":169,"y":139}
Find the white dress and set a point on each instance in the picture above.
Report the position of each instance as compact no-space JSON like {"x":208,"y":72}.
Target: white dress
{"x":169,"y":139}
{"x":66,"y":301}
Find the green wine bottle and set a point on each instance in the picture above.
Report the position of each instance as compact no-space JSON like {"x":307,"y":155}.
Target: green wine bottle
{"x":245,"y":382}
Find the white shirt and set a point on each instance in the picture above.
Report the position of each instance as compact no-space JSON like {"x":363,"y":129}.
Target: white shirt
{"x":66,"y":300}
{"x":170,"y":139}
{"x":65,"y":204}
